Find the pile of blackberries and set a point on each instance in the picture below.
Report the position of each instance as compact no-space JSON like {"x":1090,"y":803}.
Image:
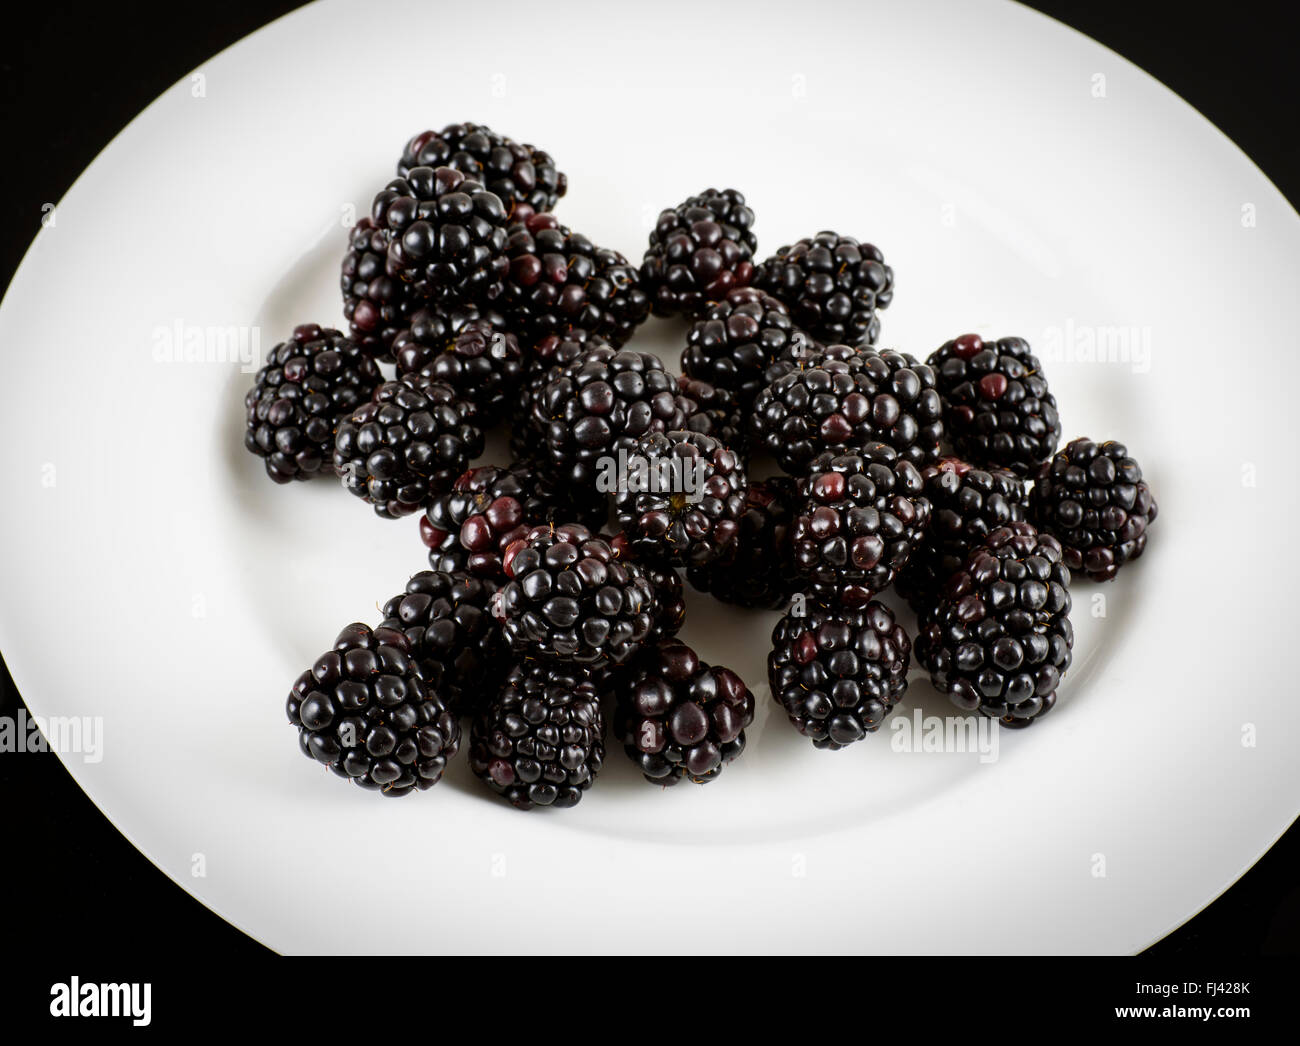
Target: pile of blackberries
{"x":541,"y":625}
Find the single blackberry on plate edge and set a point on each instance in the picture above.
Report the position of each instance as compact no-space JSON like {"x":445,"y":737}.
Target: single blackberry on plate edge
{"x":541,"y":741}
{"x":376,"y":303}
{"x":758,"y":571}
{"x":570,"y":598}
{"x":599,"y":404}
{"x":999,"y":639}
{"x":998,"y":409}
{"x":470,"y":350}
{"x":862,"y":516}
{"x":679,"y":717}
{"x":682,"y":498}
{"x":839,"y":399}
{"x":407,"y":445}
{"x":838,"y":673}
{"x":670,"y":595}
{"x":713,"y":411}
{"x":1093,"y":500}
{"x":518,"y":174}
{"x":833,"y":286}
{"x":309,"y":384}
{"x":448,"y":621}
{"x":559,"y":280}
{"x":446,"y":236}
{"x":734,"y":342}
{"x":699,"y":250}
{"x":967,"y":504}
{"x":364,"y":711}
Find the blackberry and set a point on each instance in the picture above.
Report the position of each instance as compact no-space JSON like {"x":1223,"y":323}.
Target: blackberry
{"x":365,"y":712}
{"x":569,"y":598}
{"x":861,"y":517}
{"x":1093,"y":500}
{"x":518,"y":174}
{"x":966,"y":505}
{"x":468,"y":528}
{"x":833,"y":286}
{"x":734,"y":342}
{"x":838,"y":673}
{"x":376,"y":304}
{"x":997,"y":407}
{"x":699,"y":250}
{"x":545,"y":363}
{"x":999,"y":640}
{"x":309,"y":384}
{"x":713,"y":411}
{"x":840,"y":399}
{"x":600,"y":403}
{"x":445,"y":236}
{"x":758,"y":571}
{"x":407,"y":445}
{"x":472,"y":353}
{"x":684,"y":505}
{"x":670,"y":596}
{"x":559,"y":280}
{"x":679,"y":717}
{"x":448,"y":622}
{"x":541,"y":742}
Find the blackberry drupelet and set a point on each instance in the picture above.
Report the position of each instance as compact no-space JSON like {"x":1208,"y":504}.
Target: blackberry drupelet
{"x":999,"y":639}
{"x":445,"y":235}
{"x":966,"y":505}
{"x":839,"y":399}
{"x":684,"y":505}
{"x":407,"y":445}
{"x":665,"y":582}
{"x":469,"y":350}
{"x":1093,"y":500}
{"x":518,"y":174}
{"x":713,"y":411}
{"x":679,"y":717}
{"x":309,"y":384}
{"x":862,"y":516}
{"x":447,"y":620}
{"x":570,"y":598}
{"x":541,"y":742}
{"x":376,"y":304}
{"x":758,"y":572}
{"x":600,"y":403}
{"x":699,"y":251}
{"x":998,"y":409}
{"x":833,"y":286}
{"x":734,"y":342}
{"x":838,"y":673}
{"x":364,"y":711}
{"x":559,"y":280}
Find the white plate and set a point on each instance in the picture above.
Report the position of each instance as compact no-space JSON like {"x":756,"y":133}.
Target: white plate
{"x":1020,"y":179}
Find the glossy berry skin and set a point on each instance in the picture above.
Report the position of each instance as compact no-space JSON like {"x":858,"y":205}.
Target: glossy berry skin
{"x":758,"y":572}
{"x":517,"y":173}
{"x":364,"y":711}
{"x":999,"y":639}
{"x":966,"y":505}
{"x":838,"y":673}
{"x":699,"y":251}
{"x":541,"y":741}
{"x":670,"y":595}
{"x":309,"y":384}
{"x":1093,"y":499}
{"x":833,"y":286}
{"x":713,"y":411}
{"x":841,"y":398}
{"x":665,"y":520}
{"x":679,"y":717}
{"x":470,"y":350}
{"x":546,"y":362}
{"x":733,"y":342}
{"x":407,"y":445}
{"x":448,"y":622}
{"x":445,"y":234}
{"x":570,"y":598}
{"x":376,"y":304}
{"x":861,"y":518}
{"x":559,"y":280}
{"x":998,"y":409}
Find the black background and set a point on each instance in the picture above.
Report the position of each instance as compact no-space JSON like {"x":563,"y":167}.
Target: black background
{"x":71,"y":78}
